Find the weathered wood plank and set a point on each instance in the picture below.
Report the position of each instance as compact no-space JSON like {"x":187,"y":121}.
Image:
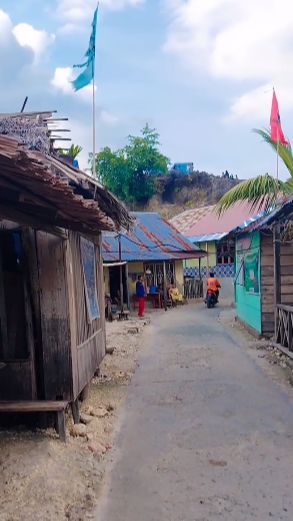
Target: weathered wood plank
{"x":33,"y":406}
{"x":54,"y":318}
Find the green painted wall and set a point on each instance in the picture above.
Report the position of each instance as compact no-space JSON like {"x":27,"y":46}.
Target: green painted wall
{"x":210,"y":260}
{"x":247,"y":290}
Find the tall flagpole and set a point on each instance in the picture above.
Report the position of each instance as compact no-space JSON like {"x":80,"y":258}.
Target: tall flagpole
{"x":278,"y":157}
{"x":94,"y":112}
{"x":94,"y":123}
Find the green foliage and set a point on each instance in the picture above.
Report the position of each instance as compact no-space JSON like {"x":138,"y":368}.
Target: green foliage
{"x":264,"y":190}
{"x":260,"y":192}
{"x":129,"y":172}
{"x":73,"y":151}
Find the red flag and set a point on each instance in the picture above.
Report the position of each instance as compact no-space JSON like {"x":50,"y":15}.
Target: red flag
{"x":277,"y":134}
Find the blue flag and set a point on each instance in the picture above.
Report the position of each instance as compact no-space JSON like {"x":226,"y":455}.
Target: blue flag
{"x":88,"y":74}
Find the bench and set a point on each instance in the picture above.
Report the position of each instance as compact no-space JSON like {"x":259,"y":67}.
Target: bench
{"x":39,"y":406}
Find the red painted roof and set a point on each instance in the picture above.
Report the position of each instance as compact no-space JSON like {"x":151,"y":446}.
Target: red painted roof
{"x":205,"y":220}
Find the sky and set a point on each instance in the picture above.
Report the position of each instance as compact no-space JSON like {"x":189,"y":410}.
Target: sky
{"x":200,"y":72}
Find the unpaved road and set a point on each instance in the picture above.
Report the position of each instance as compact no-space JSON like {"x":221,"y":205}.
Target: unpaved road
{"x":206,"y":432}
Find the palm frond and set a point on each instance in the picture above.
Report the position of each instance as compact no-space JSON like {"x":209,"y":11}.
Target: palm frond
{"x":261,"y":192}
{"x":285,"y":151}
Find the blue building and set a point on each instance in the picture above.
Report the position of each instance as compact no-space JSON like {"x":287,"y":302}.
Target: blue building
{"x":183,"y":168}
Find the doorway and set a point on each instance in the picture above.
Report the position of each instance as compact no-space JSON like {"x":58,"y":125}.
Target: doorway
{"x":114,"y":277}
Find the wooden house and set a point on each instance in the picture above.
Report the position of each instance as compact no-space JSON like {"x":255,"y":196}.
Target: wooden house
{"x":264,"y":272}
{"x":52,"y":328}
{"x":152,"y":248}
{"x":214,"y":234}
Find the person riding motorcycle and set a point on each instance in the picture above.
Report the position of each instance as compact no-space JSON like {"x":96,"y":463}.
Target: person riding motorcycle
{"x":213,"y":285}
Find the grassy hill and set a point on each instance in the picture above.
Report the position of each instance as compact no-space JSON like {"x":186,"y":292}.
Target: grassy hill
{"x":177,"y":192}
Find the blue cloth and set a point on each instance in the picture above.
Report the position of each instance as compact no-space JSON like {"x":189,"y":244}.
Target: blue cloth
{"x":87,"y":75}
{"x":140,"y":291}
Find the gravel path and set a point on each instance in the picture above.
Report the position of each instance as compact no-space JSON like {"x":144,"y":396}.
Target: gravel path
{"x":206,"y":432}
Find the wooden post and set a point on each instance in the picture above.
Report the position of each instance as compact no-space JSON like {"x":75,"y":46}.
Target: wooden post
{"x":61,"y":428}
{"x":165,"y":282}
{"x":127,"y":285}
{"x":121,"y":275}
{"x":3,"y":317}
{"x":277,"y":273}
{"x":75,"y":411}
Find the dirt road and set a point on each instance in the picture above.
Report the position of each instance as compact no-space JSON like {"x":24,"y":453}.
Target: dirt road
{"x":206,"y":432}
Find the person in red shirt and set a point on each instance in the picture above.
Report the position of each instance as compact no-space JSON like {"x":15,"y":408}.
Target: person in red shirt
{"x":140,"y":293}
{"x":213,"y":284}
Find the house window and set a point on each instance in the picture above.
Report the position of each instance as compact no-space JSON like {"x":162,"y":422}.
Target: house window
{"x":13,"y":337}
{"x":154,"y":273}
{"x":226,"y":252}
{"x":88,"y":256}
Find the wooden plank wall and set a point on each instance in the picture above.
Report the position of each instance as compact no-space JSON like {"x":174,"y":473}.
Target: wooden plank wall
{"x":88,"y":345}
{"x":267,"y":280}
{"x":56,"y":338}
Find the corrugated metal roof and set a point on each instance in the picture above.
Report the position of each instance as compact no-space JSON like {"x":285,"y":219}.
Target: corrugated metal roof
{"x":151,"y":238}
{"x":208,"y":238}
{"x":206,"y":222}
{"x":263,"y":220}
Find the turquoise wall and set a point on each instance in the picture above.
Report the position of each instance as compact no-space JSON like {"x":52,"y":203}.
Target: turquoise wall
{"x":247,"y":288}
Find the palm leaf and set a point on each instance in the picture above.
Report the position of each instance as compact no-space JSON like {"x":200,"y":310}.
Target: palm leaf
{"x":73,"y":151}
{"x":261,"y":192}
{"x":285,"y":151}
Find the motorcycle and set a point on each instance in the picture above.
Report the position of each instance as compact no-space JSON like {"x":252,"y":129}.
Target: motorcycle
{"x":211,"y":298}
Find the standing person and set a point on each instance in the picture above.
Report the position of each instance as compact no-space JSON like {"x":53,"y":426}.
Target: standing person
{"x":140,"y":293}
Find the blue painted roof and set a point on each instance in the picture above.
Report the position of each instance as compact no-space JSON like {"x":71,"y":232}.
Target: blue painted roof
{"x":152,"y":238}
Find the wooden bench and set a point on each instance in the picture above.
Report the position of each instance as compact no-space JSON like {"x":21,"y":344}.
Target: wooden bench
{"x":39,"y":406}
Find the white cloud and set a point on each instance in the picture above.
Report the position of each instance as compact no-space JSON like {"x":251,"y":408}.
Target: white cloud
{"x":62,"y":79}
{"x":37,"y":40}
{"x":236,"y":40}
{"x":23,"y":35}
{"x":13,"y":57}
{"x":108,"y":118}
{"x":5,"y":26}
{"x":75,"y":12}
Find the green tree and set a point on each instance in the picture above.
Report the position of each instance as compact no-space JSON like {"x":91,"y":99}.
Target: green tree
{"x":112,"y":170}
{"x":263,"y":190}
{"x":129,"y":172}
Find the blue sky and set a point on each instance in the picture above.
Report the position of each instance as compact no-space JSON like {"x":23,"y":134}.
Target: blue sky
{"x":200,"y":72}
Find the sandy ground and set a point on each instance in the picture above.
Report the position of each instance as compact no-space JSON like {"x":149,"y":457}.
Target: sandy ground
{"x":44,"y":479}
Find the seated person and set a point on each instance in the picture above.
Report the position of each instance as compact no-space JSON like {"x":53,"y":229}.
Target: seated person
{"x":175,"y":295}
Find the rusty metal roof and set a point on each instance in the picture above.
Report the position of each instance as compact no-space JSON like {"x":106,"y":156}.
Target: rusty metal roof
{"x":39,"y":188}
{"x":152,"y":238}
{"x":205,"y":222}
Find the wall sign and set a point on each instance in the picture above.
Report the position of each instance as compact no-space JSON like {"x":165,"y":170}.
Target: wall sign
{"x":251,"y":273}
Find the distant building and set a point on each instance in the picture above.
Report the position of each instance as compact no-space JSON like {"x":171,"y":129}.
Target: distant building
{"x":183,"y":168}
{"x":214,"y":234}
{"x":152,"y":248}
